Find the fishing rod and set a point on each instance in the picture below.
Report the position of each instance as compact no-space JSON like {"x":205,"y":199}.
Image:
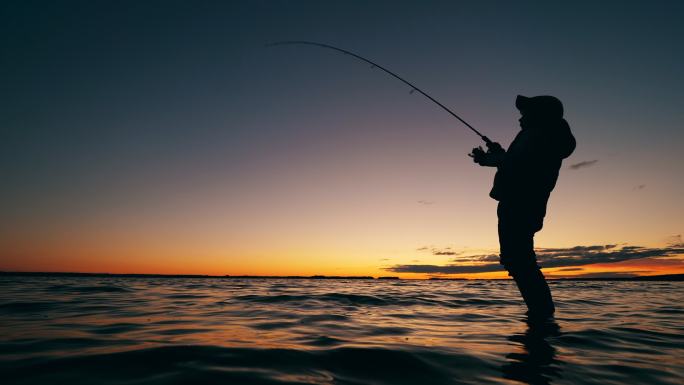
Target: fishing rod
{"x":413,"y":87}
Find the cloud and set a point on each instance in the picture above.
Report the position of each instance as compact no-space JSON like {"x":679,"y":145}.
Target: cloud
{"x":440,"y":251}
{"x":582,"y":255}
{"x":477,"y":258}
{"x":604,"y":274}
{"x":547,"y":257}
{"x":571,"y":269}
{"x":579,"y":249}
{"x":675,"y":240}
{"x":583,"y":164}
{"x":639,"y":187}
{"x":426,"y":203}
{"x":445,"y":251}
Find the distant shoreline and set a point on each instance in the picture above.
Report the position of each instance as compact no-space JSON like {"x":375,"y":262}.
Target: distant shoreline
{"x":664,"y":277}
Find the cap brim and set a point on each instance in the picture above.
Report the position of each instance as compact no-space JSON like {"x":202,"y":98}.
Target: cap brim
{"x":522,"y":103}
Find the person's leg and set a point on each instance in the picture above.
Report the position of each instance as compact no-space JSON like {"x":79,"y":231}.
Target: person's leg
{"x":516,"y":241}
{"x":535,"y":291}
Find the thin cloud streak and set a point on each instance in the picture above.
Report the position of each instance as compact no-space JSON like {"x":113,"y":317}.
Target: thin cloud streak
{"x":426,"y":203}
{"x":586,"y":163}
{"x":440,"y":251}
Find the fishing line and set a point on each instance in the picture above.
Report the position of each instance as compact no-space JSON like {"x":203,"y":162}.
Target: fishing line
{"x":376,"y":65}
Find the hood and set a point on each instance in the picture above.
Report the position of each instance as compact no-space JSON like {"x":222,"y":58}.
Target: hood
{"x":563,"y":140}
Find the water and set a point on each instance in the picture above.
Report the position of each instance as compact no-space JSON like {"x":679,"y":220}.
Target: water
{"x":270,"y":331}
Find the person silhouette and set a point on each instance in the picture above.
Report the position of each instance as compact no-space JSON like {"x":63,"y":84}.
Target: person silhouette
{"x":526,"y":174}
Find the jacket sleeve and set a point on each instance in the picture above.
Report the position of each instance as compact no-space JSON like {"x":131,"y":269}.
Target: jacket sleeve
{"x":492,"y":159}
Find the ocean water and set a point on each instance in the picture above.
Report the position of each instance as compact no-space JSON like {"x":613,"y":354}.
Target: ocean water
{"x":94,"y":331}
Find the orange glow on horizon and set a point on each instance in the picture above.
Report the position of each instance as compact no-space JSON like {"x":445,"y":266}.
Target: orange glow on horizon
{"x":288,"y":265}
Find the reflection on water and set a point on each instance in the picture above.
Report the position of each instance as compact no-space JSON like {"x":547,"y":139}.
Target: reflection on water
{"x":271,"y":331}
{"x":535,"y":361}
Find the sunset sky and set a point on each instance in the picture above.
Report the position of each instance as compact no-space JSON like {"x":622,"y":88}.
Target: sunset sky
{"x":164,"y":137}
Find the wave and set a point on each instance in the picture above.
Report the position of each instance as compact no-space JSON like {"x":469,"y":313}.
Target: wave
{"x":159,"y":331}
{"x":90,"y":289}
{"x":214,"y":365}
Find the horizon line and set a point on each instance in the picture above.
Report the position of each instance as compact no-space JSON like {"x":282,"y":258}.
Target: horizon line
{"x":658,"y":277}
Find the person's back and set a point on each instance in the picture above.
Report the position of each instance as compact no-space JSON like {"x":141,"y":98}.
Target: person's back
{"x":526,"y":175}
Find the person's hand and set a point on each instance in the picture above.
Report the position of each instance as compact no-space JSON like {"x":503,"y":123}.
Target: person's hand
{"x":492,"y":158}
{"x":478,"y":154}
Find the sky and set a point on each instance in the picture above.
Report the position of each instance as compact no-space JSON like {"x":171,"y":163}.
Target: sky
{"x":165,"y":137}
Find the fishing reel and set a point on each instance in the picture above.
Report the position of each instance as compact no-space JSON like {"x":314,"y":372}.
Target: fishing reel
{"x":482,"y":157}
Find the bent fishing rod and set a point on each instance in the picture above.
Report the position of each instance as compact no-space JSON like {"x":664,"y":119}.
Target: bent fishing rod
{"x":413,"y":87}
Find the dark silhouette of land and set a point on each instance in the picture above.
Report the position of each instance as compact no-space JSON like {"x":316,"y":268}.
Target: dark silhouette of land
{"x":663,"y":277}
{"x":69,"y":274}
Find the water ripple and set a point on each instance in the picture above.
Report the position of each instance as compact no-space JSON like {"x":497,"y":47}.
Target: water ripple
{"x":217,"y":331}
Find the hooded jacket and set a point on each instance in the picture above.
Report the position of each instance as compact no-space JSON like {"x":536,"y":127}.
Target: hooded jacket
{"x":529,"y":169}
